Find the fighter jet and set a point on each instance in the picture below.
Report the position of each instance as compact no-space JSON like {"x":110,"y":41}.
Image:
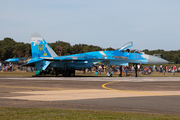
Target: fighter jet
{"x":44,"y":57}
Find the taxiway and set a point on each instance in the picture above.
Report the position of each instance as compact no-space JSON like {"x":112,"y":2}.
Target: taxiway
{"x":158,"y":95}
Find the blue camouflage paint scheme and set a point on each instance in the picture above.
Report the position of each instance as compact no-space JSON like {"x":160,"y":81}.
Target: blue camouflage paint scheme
{"x":36,"y":52}
{"x":43,"y":56}
{"x":14,"y":60}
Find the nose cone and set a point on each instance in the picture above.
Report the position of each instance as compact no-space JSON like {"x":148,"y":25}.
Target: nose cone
{"x":156,"y":60}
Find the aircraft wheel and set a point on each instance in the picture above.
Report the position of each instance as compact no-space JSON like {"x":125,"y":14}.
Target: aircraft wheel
{"x":109,"y":74}
{"x":73,"y":72}
{"x":66,"y":73}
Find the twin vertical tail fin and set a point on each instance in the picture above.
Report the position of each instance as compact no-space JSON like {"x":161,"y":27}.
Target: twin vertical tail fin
{"x":40,"y":48}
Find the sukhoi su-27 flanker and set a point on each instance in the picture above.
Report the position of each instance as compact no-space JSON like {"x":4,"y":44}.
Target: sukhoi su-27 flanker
{"x":43,"y":57}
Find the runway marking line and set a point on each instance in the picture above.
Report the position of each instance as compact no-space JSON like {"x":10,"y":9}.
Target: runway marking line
{"x":33,"y":87}
{"x":104,"y":86}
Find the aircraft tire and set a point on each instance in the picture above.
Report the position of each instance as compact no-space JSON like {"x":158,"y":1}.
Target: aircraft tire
{"x":109,"y":74}
{"x":66,"y":73}
{"x":72,"y":73}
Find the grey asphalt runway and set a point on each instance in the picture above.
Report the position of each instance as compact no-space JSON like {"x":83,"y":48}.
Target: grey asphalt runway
{"x":158,"y":95}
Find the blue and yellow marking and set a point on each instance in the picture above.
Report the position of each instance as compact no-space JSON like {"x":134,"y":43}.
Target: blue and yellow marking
{"x":45,"y":53}
{"x":40,"y":47}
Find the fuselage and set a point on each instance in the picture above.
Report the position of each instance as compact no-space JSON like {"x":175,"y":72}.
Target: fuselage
{"x":44,"y":57}
{"x":87,"y":60}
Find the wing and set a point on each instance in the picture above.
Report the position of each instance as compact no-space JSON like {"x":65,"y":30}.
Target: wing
{"x":114,"y":62}
{"x":64,"y":58}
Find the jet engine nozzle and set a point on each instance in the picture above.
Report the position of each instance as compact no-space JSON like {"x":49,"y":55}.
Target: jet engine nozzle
{"x":23,"y":60}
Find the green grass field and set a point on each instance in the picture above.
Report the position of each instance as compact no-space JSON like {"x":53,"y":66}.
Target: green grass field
{"x":59,"y":114}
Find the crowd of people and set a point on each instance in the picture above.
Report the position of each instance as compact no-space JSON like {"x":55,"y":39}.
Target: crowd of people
{"x":142,"y":69}
{"x":162,"y":68}
{"x":114,"y":69}
{"x":4,"y":67}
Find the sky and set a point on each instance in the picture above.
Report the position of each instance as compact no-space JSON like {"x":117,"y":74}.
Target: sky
{"x":150,"y":24}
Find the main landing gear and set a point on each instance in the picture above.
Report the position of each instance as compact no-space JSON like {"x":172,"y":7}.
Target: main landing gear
{"x":65,"y":73}
{"x":120,"y":69}
{"x":68,"y":73}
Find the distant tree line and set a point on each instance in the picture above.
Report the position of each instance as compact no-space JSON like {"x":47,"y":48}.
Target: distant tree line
{"x":11,"y":49}
{"x":171,"y":56}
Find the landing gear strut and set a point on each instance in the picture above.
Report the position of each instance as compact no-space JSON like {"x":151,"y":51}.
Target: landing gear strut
{"x":110,"y":72}
{"x":68,"y":73}
{"x":136,"y":70}
{"x":120,"y":69}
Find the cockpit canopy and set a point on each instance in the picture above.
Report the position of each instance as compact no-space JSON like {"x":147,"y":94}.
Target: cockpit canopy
{"x":137,"y":51}
{"x":126,"y":46}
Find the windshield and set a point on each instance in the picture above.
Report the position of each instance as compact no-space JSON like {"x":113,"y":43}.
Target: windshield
{"x":127,"y":45}
{"x":137,"y":51}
